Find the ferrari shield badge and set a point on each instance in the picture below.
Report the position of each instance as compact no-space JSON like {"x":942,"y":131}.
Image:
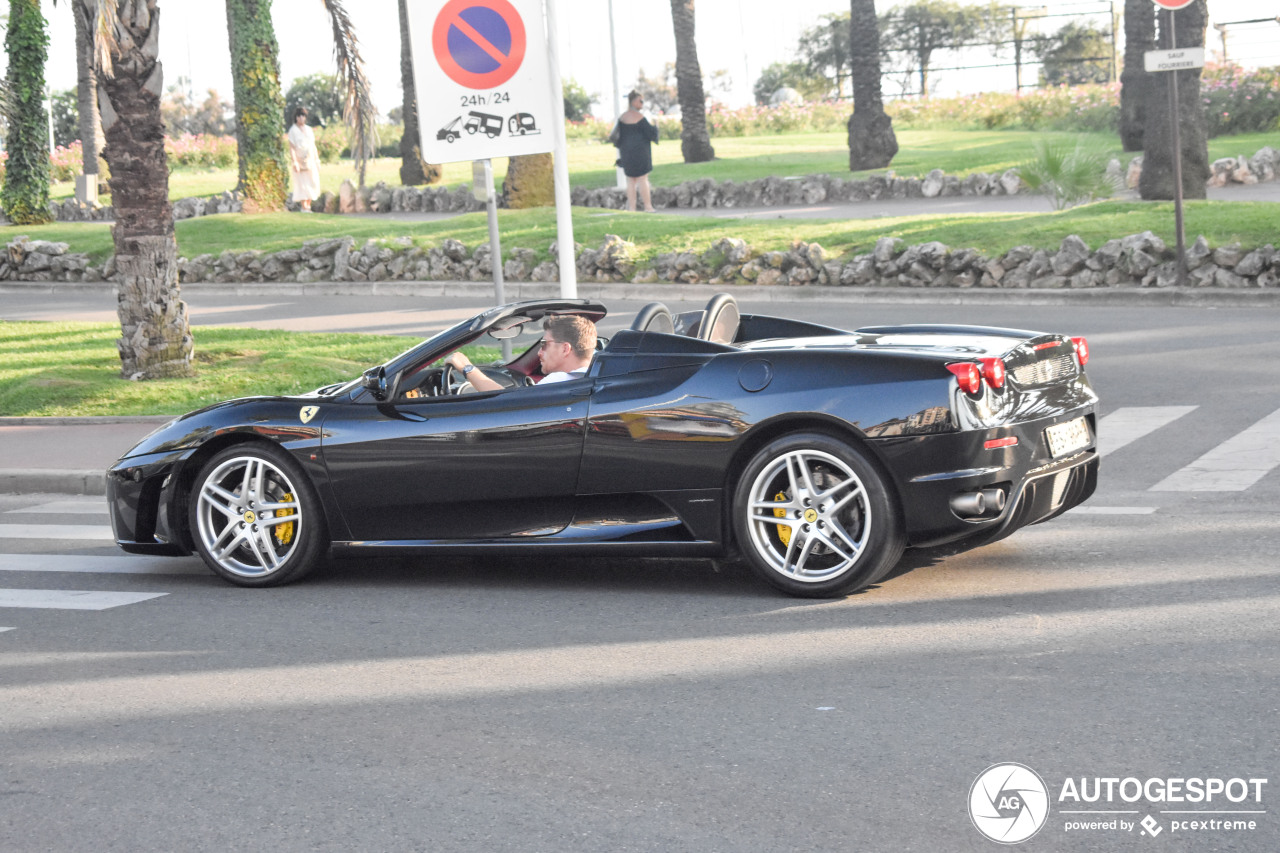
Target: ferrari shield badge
{"x":308,"y":412}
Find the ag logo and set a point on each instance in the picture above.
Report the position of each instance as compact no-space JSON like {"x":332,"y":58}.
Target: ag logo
{"x":308,"y":412}
{"x":1008,"y":803}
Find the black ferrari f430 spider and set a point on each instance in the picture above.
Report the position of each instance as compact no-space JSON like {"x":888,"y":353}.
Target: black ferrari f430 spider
{"x":815,"y":454}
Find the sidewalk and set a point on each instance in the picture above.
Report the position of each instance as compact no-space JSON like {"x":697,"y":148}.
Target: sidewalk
{"x":66,"y":456}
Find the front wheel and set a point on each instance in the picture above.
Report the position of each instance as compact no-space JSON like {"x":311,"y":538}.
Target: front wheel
{"x":255,"y":517}
{"x":813,"y":518}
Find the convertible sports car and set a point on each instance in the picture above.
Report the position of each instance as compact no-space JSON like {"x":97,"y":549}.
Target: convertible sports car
{"x":815,"y":454}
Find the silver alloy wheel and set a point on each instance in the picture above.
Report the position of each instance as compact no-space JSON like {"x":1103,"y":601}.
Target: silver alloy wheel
{"x":809,"y":516}
{"x":243,"y":508}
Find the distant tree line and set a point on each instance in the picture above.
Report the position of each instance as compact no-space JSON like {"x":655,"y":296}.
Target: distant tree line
{"x":911,"y":35}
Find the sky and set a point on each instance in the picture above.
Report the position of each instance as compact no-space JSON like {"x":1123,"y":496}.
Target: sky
{"x":741,"y":37}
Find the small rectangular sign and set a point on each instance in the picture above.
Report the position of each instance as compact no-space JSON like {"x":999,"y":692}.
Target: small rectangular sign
{"x":1173,"y":60}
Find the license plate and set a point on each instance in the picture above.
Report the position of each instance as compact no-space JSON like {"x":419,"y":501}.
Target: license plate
{"x":1068,"y":437}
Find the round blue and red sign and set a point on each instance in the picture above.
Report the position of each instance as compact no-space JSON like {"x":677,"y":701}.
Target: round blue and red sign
{"x":479,"y":43}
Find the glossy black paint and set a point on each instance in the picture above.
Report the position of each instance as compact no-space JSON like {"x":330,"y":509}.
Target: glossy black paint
{"x":642,"y":455}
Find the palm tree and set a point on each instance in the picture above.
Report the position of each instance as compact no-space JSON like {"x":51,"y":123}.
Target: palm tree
{"x":156,"y":338}
{"x":90,"y":122}
{"x":872,"y":143}
{"x":413,"y":170}
{"x":1157,"y":181}
{"x":695,"y":142}
{"x":1135,"y":82}
{"x":260,"y":118}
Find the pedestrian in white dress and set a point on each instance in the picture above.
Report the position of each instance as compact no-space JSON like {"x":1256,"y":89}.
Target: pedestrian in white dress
{"x":306,"y":161}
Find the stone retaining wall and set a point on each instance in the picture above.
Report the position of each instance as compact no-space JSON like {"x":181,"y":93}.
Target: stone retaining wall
{"x":763,"y":192}
{"x":1139,"y":260}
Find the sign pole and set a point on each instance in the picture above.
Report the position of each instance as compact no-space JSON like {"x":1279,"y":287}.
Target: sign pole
{"x":560,"y":155}
{"x":495,"y":246}
{"x":1177,"y":157}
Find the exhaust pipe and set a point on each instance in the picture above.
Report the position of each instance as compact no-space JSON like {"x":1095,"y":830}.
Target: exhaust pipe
{"x":969,"y":504}
{"x":995,"y":499}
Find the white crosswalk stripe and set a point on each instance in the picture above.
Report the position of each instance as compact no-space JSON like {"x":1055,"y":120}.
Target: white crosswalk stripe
{"x":117,"y":563}
{"x":72,"y":506}
{"x":113,"y":565}
{"x":1127,"y":425}
{"x":91,"y":532}
{"x":1232,"y":466}
{"x":68,"y":599}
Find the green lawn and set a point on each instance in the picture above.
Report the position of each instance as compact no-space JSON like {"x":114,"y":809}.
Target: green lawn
{"x":956,"y":152}
{"x":1251,"y":224}
{"x":73,"y":369}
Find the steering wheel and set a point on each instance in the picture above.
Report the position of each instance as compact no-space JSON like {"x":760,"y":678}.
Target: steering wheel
{"x":452,"y":381}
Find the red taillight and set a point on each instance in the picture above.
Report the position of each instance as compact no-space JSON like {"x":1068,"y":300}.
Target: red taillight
{"x":967,"y":376}
{"x":993,"y":372}
{"x":1082,"y":350}
{"x":1000,"y":442}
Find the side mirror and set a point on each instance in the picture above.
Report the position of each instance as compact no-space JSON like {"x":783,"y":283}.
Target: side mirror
{"x":374,"y":381}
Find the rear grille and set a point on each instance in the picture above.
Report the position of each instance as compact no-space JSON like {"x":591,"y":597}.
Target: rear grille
{"x":1045,"y":371}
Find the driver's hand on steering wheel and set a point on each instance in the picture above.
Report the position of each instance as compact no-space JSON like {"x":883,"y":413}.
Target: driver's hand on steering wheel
{"x":459,"y":360}
{"x":471,"y":373}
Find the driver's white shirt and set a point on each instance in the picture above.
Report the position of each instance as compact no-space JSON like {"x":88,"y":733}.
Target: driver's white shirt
{"x":562,"y":376}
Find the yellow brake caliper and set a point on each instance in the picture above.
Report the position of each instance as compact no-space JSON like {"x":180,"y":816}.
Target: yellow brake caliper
{"x":284,"y":532}
{"x":784,"y":532}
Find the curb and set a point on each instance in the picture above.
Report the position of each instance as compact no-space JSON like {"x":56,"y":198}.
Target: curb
{"x":516,"y":291}
{"x":87,"y":420}
{"x":26,"y":481}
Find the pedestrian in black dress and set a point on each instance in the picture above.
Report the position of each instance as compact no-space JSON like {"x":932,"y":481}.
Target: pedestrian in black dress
{"x":633,"y":135}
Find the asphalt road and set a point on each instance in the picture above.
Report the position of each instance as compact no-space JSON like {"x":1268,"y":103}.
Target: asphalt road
{"x":587,"y":705}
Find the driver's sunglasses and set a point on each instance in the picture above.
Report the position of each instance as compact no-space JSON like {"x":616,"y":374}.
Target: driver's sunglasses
{"x":542,"y":344}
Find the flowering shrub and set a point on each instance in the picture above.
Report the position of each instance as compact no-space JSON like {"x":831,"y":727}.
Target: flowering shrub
{"x":201,"y":151}
{"x":1071,"y":108}
{"x":1239,"y":101}
{"x":66,"y":162}
{"x":331,"y":142}
{"x":785,"y":118}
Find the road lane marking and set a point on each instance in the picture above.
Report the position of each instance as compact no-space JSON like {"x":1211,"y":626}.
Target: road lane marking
{"x":71,"y":599}
{"x":1111,"y":510}
{"x":115,"y":565}
{"x":1127,"y":425}
{"x":2,"y":630}
{"x":1232,"y":466}
{"x":94,"y":532}
{"x":96,"y":506}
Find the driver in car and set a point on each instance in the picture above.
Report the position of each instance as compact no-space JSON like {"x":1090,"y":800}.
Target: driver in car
{"x":565,"y":353}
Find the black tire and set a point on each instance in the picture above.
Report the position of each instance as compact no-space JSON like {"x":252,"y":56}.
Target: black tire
{"x":236,"y":516}
{"x":812,"y":517}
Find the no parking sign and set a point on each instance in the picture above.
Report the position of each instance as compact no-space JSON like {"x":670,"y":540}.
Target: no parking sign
{"x":482,"y":78}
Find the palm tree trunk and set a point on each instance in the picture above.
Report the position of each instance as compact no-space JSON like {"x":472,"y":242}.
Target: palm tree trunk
{"x":156,"y":338}
{"x":1158,"y":181}
{"x":413,"y":170}
{"x":1135,"y":82}
{"x":91,"y":141}
{"x":695,"y":142}
{"x":872,"y":142}
{"x":260,"y":121}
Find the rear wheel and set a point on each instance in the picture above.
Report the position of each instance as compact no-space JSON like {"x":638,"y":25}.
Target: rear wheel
{"x":255,"y":517}
{"x":813,"y":518}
